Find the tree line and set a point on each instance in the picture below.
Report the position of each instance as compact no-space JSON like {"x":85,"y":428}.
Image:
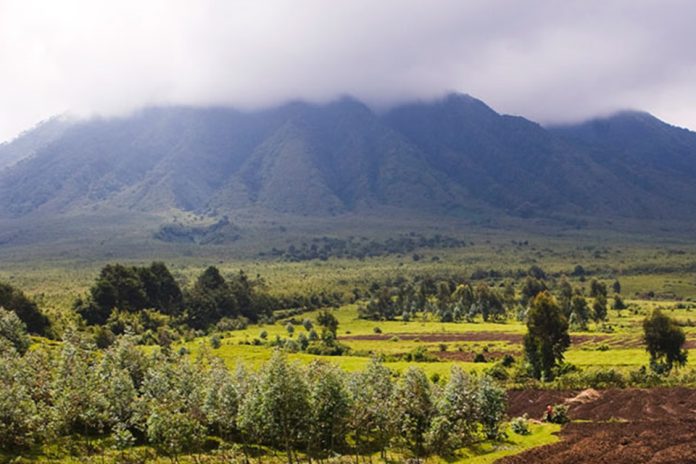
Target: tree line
{"x":456,"y":299}
{"x":122,"y":397}
{"x":212,"y":298}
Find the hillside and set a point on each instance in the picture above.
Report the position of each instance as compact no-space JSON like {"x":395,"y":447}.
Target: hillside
{"x":447,"y":157}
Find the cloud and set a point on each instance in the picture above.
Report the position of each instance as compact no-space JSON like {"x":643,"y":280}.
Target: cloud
{"x":547,"y":60}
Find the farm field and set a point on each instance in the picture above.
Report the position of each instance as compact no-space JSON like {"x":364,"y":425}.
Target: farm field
{"x":606,"y":355}
{"x":618,"y":426}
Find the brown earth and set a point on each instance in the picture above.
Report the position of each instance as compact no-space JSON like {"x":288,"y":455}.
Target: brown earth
{"x":468,"y":356}
{"x":630,"y":426}
{"x":468,"y":337}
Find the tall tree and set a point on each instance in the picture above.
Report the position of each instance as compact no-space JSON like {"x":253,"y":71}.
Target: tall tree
{"x":664,"y":340}
{"x":415,"y":410}
{"x":547,"y":335}
{"x":276,"y":410}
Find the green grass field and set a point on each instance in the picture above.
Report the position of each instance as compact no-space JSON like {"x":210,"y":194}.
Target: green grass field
{"x":651,"y":277}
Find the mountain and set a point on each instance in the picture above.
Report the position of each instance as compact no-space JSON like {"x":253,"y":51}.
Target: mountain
{"x":32,"y":141}
{"x":445,"y":157}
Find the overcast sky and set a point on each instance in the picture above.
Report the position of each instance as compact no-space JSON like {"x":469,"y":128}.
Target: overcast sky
{"x":551,"y":61}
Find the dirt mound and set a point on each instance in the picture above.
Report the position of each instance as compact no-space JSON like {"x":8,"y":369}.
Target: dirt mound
{"x":655,"y":426}
{"x":635,"y":404}
{"x":584,"y":397}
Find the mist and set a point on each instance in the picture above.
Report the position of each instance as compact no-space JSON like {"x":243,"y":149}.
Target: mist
{"x":550,"y":61}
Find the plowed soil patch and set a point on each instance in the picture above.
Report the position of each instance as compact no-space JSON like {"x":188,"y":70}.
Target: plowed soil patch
{"x":625,"y":426}
{"x":617,"y":443}
{"x":468,"y":356}
{"x":468,"y":337}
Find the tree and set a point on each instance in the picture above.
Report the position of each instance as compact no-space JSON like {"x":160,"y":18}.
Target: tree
{"x":599,"y":308}
{"x":13,"y":299}
{"x":221,"y":403}
{"x":415,"y":410}
{"x":597,"y":289}
{"x":616,"y":286}
{"x":371,"y":421}
{"x":547,"y":335}
{"x":210,"y":299}
{"x":162,"y":291}
{"x":532,"y":287}
{"x":13,"y":331}
{"x":458,"y":412}
{"x":618,"y":303}
{"x":130,"y":289}
{"x":19,"y":415}
{"x":579,"y":313}
{"x":664,"y":340}
{"x":328,"y":322}
{"x":330,"y":407}
{"x":489,"y":302}
{"x":172,"y":432}
{"x":492,"y":407}
{"x":565,"y":296}
{"x":275,"y":411}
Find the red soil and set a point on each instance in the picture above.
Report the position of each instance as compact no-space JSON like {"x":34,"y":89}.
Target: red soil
{"x":627,"y":426}
{"x":468,"y":337}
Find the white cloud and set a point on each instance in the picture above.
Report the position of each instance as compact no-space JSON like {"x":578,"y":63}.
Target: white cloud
{"x":547,"y":60}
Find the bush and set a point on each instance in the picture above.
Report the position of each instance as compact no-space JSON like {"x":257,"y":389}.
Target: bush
{"x":520,"y":425}
{"x":508,"y":360}
{"x":215,"y":342}
{"x":557,"y":415}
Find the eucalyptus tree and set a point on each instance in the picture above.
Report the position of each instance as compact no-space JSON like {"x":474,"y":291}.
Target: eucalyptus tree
{"x":414,"y":410}
{"x":330,"y":405}
{"x":457,"y":414}
{"x":275,"y":410}
{"x":78,"y":403}
{"x":371,"y":423}
{"x":221,"y":401}
{"x":13,"y":332}
{"x":19,"y":416}
{"x":492,"y":407}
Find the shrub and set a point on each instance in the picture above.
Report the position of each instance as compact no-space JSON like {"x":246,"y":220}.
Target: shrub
{"x":557,"y":415}
{"x":215,"y":342}
{"x":520,"y":425}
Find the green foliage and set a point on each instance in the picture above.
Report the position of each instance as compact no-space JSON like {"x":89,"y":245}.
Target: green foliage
{"x":557,"y":414}
{"x":13,"y":332}
{"x":13,"y":299}
{"x":664,"y":340}
{"x":275,"y":412}
{"x":458,"y":414}
{"x":172,"y":432}
{"x":20,"y":419}
{"x":547,"y":335}
{"x":520,"y":425}
{"x":493,"y":404}
{"x":330,"y":404}
{"x":131,"y":289}
{"x":414,"y":410}
{"x":328,"y":322}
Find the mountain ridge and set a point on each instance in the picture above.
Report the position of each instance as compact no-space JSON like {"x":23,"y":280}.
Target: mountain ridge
{"x":444,"y":156}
